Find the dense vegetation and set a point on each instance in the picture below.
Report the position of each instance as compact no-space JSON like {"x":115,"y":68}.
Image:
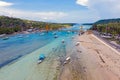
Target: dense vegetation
{"x":10,"y":25}
{"x":111,"y":26}
{"x":106,"y":21}
{"x":87,"y":24}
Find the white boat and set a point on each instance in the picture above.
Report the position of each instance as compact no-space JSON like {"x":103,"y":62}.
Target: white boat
{"x":67,"y":60}
{"x":39,"y":61}
{"x":78,"y":43}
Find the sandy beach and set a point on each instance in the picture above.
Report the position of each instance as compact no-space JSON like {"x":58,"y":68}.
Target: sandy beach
{"x":92,"y":59}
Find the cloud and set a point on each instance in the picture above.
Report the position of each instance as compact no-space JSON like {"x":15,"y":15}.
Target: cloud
{"x":6,"y":10}
{"x":82,"y":2}
{"x":105,"y":8}
{"x":5,"y":4}
{"x":41,"y":16}
{"x":82,"y":16}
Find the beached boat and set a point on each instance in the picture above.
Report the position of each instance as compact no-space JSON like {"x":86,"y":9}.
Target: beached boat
{"x":41,"y":58}
{"x":77,"y":43}
{"x":67,"y":60}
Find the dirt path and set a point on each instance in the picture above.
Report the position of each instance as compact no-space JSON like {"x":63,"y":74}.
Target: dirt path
{"x":91,"y":60}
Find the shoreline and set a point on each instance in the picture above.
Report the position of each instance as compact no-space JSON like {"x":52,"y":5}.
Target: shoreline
{"x":89,"y":58}
{"x":26,"y":68}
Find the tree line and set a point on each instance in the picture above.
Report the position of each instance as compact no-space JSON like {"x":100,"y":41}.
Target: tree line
{"x":10,"y":25}
{"x":111,"y":26}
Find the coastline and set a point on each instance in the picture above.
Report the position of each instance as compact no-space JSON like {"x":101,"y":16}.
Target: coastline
{"x":26,"y":67}
{"x":89,"y":58}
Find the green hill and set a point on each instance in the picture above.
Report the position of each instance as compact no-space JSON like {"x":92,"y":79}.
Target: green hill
{"x":10,"y":25}
{"x":111,"y":26}
{"x":106,"y":21}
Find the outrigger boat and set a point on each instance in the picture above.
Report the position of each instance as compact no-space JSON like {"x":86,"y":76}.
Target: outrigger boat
{"x":41,"y":58}
{"x":5,"y":38}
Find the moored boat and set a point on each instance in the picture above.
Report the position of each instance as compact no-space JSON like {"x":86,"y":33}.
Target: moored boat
{"x":63,"y":41}
{"x":56,"y":36}
{"x":5,"y":38}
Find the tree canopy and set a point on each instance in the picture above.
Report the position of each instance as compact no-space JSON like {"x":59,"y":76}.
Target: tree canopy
{"x":109,"y":26}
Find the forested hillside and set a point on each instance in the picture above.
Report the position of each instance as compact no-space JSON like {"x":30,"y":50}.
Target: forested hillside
{"x":109,"y":25}
{"x":10,"y":25}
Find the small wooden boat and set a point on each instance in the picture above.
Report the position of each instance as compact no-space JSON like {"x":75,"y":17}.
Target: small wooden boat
{"x":41,"y":58}
{"x":5,"y":38}
{"x":63,"y":41}
{"x":78,"y":43}
{"x":67,"y":60}
{"x":56,"y":36}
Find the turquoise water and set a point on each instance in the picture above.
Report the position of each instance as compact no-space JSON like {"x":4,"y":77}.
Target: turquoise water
{"x":19,"y":45}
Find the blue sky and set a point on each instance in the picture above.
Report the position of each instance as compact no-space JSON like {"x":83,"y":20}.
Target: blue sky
{"x":46,"y":5}
{"x":78,"y":11}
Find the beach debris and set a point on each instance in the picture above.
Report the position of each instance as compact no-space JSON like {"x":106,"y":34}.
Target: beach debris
{"x":79,"y":34}
{"x":79,"y":51}
{"x":77,"y":43}
{"x":67,"y":60}
{"x":41,"y":58}
{"x":101,"y":59}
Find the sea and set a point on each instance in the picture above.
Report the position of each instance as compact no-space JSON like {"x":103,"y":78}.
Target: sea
{"x":19,"y":45}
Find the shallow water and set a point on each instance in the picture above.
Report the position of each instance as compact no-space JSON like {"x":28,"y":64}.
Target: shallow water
{"x":19,"y":45}
{"x":26,"y":67}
